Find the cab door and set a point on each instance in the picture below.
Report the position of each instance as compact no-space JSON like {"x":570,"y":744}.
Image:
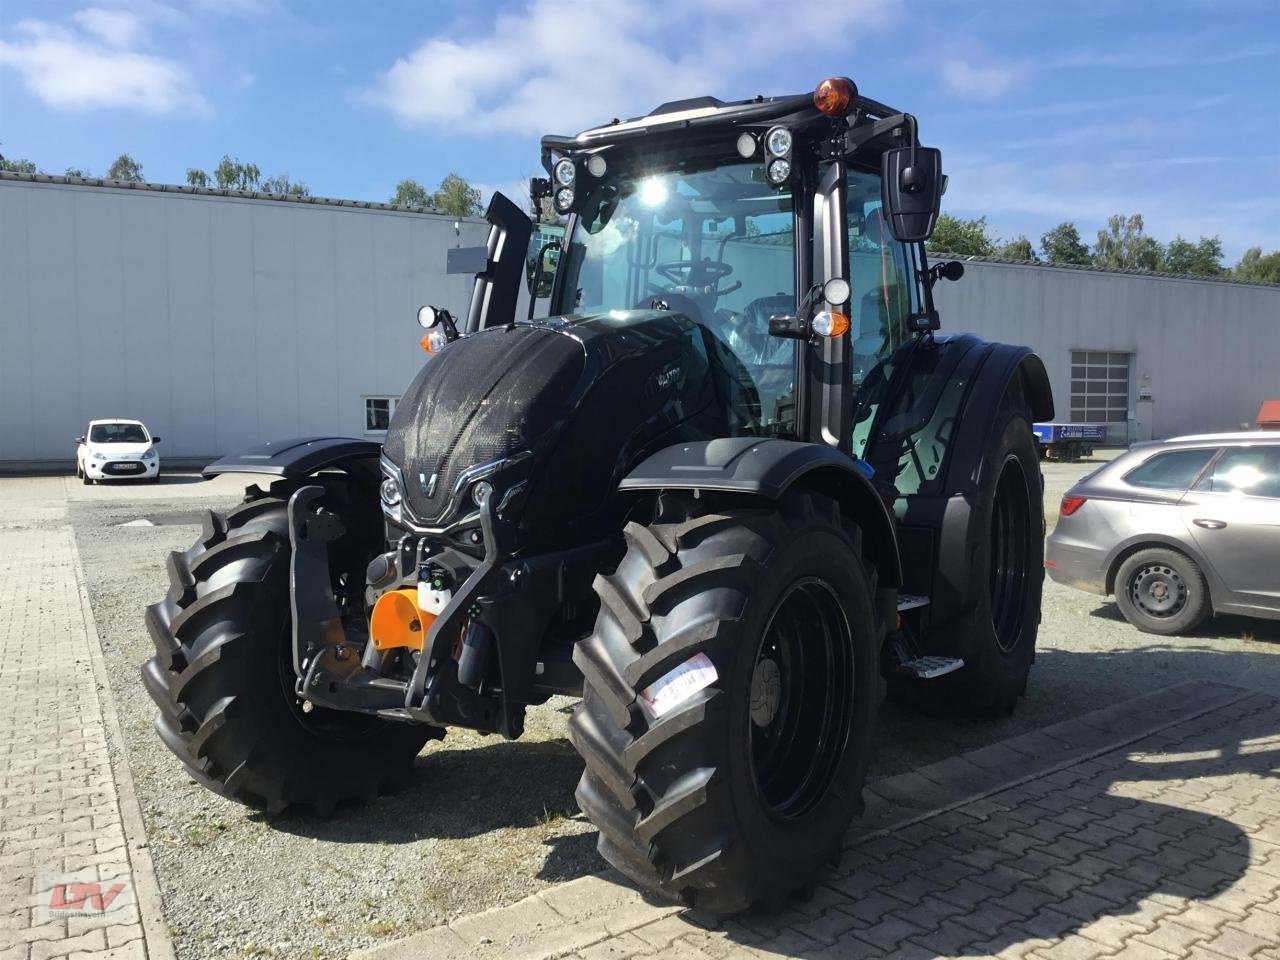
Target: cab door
{"x":1233,"y":515}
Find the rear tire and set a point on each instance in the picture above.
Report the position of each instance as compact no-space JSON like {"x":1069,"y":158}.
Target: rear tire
{"x":742,"y":792}
{"x":1162,"y":591}
{"x":997,"y":640}
{"x":223,"y":676}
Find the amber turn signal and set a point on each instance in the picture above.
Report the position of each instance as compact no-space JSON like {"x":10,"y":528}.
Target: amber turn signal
{"x":833,"y":96}
{"x":830,"y":323}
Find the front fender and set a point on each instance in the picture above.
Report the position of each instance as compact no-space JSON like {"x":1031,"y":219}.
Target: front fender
{"x":768,"y":469}
{"x":298,"y":458}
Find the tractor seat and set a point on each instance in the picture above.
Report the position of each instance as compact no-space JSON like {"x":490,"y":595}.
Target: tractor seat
{"x":749,"y":336}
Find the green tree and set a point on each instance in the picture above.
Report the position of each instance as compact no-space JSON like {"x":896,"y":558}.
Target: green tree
{"x":456,"y":197}
{"x":1062,"y":244}
{"x":17,"y":166}
{"x":1256,"y":266}
{"x":410,"y":193}
{"x":1018,"y":248}
{"x":1124,"y":245}
{"x":282,"y":185}
{"x":1203,"y":258}
{"x":964,"y":237}
{"x":232,"y":174}
{"x":197,"y":178}
{"x":125,"y":168}
{"x":77,"y":172}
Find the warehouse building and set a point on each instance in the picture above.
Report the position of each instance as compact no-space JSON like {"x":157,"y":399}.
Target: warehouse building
{"x":225,"y":319}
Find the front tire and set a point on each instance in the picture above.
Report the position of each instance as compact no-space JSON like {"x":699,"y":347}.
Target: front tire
{"x":740,"y":793}
{"x":1162,"y":591}
{"x":223,"y":676}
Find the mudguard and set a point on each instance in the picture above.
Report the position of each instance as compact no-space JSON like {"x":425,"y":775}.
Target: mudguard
{"x":297,"y":458}
{"x":925,"y":425}
{"x":768,"y":468}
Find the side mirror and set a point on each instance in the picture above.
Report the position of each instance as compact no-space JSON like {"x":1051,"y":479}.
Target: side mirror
{"x":911,"y":185}
{"x":79,"y":439}
{"x":155,"y":440}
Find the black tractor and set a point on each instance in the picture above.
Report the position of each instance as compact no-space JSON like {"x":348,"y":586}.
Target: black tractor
{"x":730,"y":491}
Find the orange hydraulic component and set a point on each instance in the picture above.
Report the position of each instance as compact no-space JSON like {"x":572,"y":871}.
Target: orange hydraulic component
{"x":397,"y":621}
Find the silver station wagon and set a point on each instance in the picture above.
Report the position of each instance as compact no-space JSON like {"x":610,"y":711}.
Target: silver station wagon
{"x":1177,"y":530}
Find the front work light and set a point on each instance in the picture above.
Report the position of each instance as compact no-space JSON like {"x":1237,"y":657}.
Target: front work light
{"x":746,"y":146}
{"x":779,"y":141}
{"x":596,"y":165}
{"x":565,"y":172}
{"x":778,"y":171}
{"x":829,"y":323}
{"x":564,"y":199}
{"x":834,"y":95}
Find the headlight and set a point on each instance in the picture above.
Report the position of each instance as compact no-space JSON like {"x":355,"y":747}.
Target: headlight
{"x":481,"y":493}
{"x":150,"y":454}
{"x":778,"y":171}
{"x":99,"y":456}
{"x":390,"y":492}
{"x":564,"y":199}
{"x":565,"y":172}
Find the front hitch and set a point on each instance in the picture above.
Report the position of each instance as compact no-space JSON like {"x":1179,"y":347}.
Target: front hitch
{"x":327,"y":662}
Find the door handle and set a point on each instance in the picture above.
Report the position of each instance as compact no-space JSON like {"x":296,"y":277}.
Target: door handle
{"x":1210,"y":524}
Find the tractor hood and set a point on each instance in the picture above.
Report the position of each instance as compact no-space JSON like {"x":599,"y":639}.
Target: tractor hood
{"x":583,"y":396}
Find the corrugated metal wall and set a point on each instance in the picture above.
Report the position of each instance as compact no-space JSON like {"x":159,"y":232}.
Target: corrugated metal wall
{"x":224,"y":322}
{"x":221,"y":322}
{"x":1208,"y":351}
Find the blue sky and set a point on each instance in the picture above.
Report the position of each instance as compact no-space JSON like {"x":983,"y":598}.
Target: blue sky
{"x":1045,"y":111}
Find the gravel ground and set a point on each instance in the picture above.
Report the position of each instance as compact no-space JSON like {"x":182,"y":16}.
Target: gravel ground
{"x":485,"y":822}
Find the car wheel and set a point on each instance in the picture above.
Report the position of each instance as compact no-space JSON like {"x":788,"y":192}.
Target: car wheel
{"x":1162,"y":591}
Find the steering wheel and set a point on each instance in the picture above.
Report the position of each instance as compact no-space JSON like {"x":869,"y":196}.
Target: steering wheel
{"x":681,"y":271}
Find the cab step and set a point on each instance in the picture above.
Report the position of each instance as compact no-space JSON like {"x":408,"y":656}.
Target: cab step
{"x":909,"y":601}
{"x":930,"y":668}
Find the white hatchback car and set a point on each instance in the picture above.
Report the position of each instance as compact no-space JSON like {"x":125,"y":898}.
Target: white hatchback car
{"x":117,"y":450}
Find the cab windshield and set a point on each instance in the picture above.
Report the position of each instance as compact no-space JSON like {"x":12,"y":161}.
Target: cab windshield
{"x":715,"y":243}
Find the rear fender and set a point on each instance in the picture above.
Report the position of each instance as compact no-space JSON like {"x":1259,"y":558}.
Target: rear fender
{"x":929,"y":432}
{"x":768,"y":469}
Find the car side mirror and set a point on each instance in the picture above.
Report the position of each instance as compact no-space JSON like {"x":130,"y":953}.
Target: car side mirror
{"x":79,"y":439}
{"x":155,"y":440}
{"x":911,"y":185}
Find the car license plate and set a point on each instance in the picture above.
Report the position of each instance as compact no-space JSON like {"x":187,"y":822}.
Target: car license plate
{"x":128,"y":466}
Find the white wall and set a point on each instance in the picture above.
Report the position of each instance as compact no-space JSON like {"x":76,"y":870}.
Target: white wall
{"x":1209,"y":350}
{"x":221,"y":322}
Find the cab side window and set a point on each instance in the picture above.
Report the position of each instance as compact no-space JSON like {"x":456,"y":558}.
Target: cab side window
{"x":1247,"y":471}
{"x":881,"y":274}
{"x":1176,"y":470}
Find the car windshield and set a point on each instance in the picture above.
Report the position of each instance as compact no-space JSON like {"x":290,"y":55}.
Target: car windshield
{"x":714,"y":243}
{"x":117,"y":433}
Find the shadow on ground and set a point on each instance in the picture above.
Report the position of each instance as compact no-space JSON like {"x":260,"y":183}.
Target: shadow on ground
{"x":1051,"y":864}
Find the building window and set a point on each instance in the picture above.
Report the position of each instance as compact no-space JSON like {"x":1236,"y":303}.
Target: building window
{"x":377,"y":413}
{"x":1099,"y":386}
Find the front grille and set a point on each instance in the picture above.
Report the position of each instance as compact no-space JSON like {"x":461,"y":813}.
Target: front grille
{"x":124,"y":468}
{"x":483,"y":398}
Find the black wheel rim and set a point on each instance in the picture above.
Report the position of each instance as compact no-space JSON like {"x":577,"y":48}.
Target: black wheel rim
{"x":1010,"y":552}
{"x":1158,"y":591}
{"x":802,"y":699}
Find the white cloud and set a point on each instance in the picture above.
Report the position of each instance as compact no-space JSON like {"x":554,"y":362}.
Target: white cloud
{"x":117,"y":28}
{"x":557,"y":64}
{"x":97,"y":62}
{"x":985,"y":82}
